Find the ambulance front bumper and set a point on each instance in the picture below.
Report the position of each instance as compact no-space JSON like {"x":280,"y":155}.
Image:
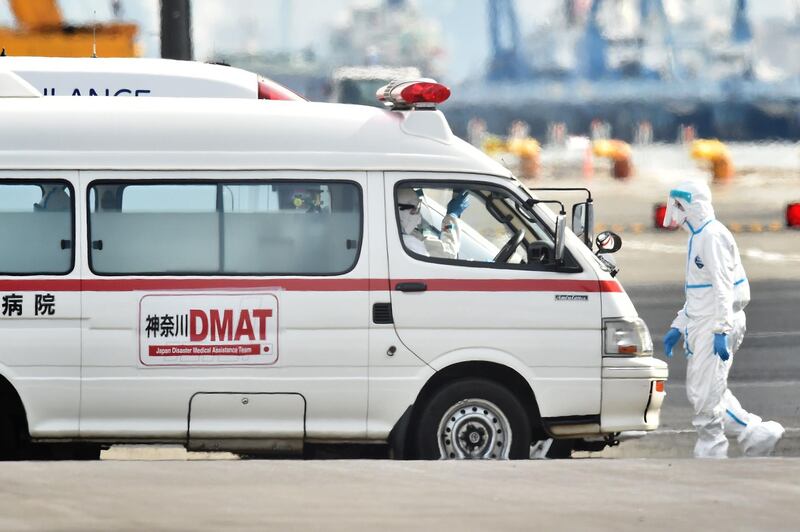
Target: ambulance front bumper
{"x":632,"y":393}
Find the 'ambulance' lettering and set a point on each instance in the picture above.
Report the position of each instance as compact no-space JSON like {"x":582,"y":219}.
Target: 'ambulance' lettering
{"x":51,"y":91}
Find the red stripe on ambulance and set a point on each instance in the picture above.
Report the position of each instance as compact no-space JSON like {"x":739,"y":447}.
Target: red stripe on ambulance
{"x":308,"y":285}
{"x":514,"y":285}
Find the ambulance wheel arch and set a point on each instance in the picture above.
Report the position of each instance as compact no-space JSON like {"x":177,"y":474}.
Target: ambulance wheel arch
{"x":13,"y":420}
{"x":405,"y":438}
{"x":15,"y":439}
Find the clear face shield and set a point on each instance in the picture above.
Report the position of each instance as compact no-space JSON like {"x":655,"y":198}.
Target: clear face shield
{"x":677,"y":208}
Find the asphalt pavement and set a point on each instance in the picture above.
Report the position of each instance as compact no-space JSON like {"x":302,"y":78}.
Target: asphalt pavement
{"x":618,"y":495}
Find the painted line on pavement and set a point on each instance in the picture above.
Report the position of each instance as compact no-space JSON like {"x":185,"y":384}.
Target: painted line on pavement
{"x":653,"y":246}
{"x":788,"y":430}
{"x":774,"y":334}
{"x":774,"y":226}
{"x":745,"y":384}
{"x":769,"y":256}
{"x":751,"y":253}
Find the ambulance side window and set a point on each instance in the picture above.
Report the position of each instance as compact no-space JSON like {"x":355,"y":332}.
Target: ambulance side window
{"x":153,"y":228}
{"x":224,"y":228}
{"x":304,"y":228}
{"x":491,"y":229}
{"x":36,"y":227}
{"x":169,"y":198}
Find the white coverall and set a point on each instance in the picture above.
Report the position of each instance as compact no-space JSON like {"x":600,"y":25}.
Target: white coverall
{"x":717,"y":291}
{"x":444,"y":247}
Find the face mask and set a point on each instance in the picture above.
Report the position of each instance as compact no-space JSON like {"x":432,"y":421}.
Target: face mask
{"x":409,"y":222}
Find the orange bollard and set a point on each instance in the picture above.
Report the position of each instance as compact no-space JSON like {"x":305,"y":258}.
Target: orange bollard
{"x":619,"y":152}
{"x":716,"y":153}
{"x":622,"y":168}
{"x":528,"y":151}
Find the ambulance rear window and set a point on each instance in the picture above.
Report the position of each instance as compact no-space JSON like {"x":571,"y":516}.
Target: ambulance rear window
{"x":224,"y":228}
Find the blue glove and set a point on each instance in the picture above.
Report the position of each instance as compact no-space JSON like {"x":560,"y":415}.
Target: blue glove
{"x":721,"y":346}
{"x":459,"y":203}
{"x":670,"y":339}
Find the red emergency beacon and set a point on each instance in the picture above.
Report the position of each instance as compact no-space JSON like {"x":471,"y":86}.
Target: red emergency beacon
{"x":413,"y":94}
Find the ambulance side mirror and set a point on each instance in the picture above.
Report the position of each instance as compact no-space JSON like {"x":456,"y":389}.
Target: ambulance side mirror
{"x":608,"y":242}
{"x":583,"y":222}
{"x":561,"y":226}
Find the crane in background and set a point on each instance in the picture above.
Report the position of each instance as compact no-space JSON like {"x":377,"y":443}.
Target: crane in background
{"x":41,"y":31}
{"x":506,"y":62}
{"x":654,"y":10}
{"x":741,"y":33}
{"x":632,"y":65}
{"x":594,"y":47}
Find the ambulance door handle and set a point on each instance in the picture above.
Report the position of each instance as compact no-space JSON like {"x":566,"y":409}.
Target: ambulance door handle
{"x":411,"y":287}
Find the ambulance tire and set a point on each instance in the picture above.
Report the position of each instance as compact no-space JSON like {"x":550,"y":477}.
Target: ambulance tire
{"x":84,"y":452}
{"x":68,"y":451}
{"x":9,"y":437}
{"x":468,"y":406}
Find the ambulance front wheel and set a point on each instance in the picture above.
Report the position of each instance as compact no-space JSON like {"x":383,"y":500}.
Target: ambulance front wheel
{"x":471,"y":419}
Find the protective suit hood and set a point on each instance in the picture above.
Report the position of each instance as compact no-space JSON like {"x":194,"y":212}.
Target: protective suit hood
{"x":689,"y":206}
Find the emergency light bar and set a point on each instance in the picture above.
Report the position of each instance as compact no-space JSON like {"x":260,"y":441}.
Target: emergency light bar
{"x":413,"y":94}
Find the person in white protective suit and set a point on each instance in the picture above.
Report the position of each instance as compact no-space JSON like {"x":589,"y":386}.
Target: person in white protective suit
{"x":447,"y":245}
{"x":712,"y":322}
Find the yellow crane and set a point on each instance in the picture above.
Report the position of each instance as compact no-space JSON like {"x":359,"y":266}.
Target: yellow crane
{"x":41,"y":31}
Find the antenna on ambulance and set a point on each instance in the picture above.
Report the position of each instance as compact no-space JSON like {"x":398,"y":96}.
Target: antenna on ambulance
{"x":94,"y":34}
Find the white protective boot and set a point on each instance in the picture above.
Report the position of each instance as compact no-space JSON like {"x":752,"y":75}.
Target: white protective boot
{"x":761,"y":439}
{"x":754,"y":436}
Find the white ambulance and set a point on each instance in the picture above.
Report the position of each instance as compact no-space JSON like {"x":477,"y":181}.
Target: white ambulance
{"x":228,"y":275}
{"x":139,"y":77}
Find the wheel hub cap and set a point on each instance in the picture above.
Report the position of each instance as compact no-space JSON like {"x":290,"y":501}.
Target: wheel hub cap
{"x":474,"y":429}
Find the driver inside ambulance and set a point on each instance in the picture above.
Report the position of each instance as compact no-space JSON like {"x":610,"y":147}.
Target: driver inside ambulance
{"x":55,"y":199}
{"x":417,"y":239}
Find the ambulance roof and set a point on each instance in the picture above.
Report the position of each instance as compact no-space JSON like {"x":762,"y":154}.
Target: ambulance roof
{"x":161,"y":77}
{"x":228,"y":134}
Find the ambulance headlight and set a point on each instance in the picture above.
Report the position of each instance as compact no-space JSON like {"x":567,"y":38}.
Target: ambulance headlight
{"x":627,"y":337}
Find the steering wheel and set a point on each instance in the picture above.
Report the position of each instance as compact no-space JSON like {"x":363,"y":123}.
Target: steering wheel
{"x":508,"y":249}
